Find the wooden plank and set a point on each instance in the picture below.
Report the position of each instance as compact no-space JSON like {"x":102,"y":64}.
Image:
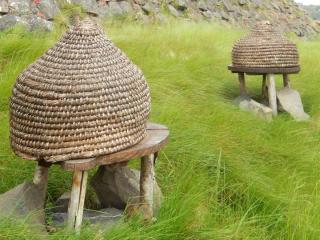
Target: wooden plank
{"x":242,"y":82}
{"x":264,"y":88}
{"x":151,"y":127}
{"x":74,"y":199}
{"x":264,"y":70}
{"x":155,"y":126}
{"x":156,"y":139}
{"x":272,"y":93}
{"x":40,"y":178}
{"x":83,"y":188}
{"x":286,"y":80}
{"x":147,"y":177}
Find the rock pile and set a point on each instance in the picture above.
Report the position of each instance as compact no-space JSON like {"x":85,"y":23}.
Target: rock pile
{"x":286,"y":14}
{"x":33,"y":14}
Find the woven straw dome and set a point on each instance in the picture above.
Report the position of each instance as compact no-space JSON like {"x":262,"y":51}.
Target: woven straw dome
{"x":82,"y":98}
{"x":265,"y":47}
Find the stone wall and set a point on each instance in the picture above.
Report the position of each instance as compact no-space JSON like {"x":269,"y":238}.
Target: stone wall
{"x":286,"y":14}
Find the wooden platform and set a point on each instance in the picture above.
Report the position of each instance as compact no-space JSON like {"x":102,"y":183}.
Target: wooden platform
{"x":147,"y":150}
{"x":157,"y":138}
{"x":261,"y":71}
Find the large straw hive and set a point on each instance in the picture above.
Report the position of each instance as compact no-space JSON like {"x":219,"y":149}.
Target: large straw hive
{"x":265,"y":48}
{"x":82,"y":98}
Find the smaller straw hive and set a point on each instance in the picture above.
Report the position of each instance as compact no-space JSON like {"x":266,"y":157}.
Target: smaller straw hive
{"x":82,"y":98}
{"x":265,"y":47}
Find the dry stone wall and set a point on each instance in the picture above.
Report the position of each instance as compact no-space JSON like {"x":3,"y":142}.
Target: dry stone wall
{"x":289,"y":16}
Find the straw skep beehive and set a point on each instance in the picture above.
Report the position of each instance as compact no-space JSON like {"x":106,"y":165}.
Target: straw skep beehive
{"x":265,"y":50}
{"x":82,"y":98}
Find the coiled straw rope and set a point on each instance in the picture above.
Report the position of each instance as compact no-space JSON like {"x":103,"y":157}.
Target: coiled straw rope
{"x":265,"y":47}
{"x":82,"y":98}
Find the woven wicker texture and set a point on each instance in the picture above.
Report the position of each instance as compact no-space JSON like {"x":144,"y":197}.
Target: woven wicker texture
{"x":265,"y":47}
{"x":82,"y":98}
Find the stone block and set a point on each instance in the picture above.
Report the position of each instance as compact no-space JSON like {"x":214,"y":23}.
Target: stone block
{"x":290,"y":102}
{"x":118,"y":185}
{"x":248,"y":104}
{"x":25,"y":201}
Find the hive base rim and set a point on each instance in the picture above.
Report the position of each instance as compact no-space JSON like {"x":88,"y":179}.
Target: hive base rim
{"x":264,"y":70}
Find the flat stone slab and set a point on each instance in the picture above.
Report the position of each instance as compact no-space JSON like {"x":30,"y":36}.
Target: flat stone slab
{"x":116,"y":186}
{"x":290,"y":102}
{"x":62,"y":203}
{"x":105,"y":218}
{"x":25,"y":201}
{"x":246,"y":103}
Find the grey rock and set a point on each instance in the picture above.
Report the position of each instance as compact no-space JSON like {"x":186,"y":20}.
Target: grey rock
{"x":173,"y":11}
{"x":242,"y":2}
{"x":207,"y":14}
{"x":49,"y":8}
{"x":116,"y":186}
{"x":202,"y":5}
{"x":246,"y":103}
{"x":228,"y":6}
{"x":10,"y":21}
{"x":4,"y":7}
{"x":38,"y":23}
{"x":115,"y":9}
{"x":275,"y":6}
{"x":181,"y":5}
{"x":105,"y":217}
{"x":150,"y":7}
{"x":290,"y":102}
{"x":289,"y":16}
{"x":257,"y":3}
{"x":90,"y":6}
{"x":19,"y":7}
{"x":112,"y":9}
{"x":140,"y":2}
{"x":225,"y":16}
{"x":25,"y":201}
{"x":126,"y":7}
{"x":62,"y":203}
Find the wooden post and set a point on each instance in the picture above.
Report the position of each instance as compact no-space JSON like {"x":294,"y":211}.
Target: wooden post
{"x":272,"y":93}
{"x":264,"y":89}
{"x":286,"y":80}
{"x":242,"y":82}
{"x":78,"y":193}
{"x":40,"y":178}
{"x":147,"y":177}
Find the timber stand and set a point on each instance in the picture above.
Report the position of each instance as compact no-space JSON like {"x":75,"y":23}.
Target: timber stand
{"x":147,"y":150}
{"x":269,"y":92}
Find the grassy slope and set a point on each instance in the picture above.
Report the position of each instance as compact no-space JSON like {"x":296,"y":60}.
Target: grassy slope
{"x":225,"y":174}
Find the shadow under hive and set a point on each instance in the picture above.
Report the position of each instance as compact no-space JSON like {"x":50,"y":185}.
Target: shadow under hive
{"x":82,"y":98}
{"x":266,"y":52}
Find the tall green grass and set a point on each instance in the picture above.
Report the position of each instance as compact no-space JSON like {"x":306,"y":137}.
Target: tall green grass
{"x":225,"y":174}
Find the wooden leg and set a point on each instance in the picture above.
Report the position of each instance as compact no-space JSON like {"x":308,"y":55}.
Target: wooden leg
{"x":264,"y":89}
{"x":78,"y":193}
{"x":242,"y":82}
{"x":286,"y":80}
{"x":147,"y":178}
{"x":272,"y":94}
{"x":40,"y":178}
